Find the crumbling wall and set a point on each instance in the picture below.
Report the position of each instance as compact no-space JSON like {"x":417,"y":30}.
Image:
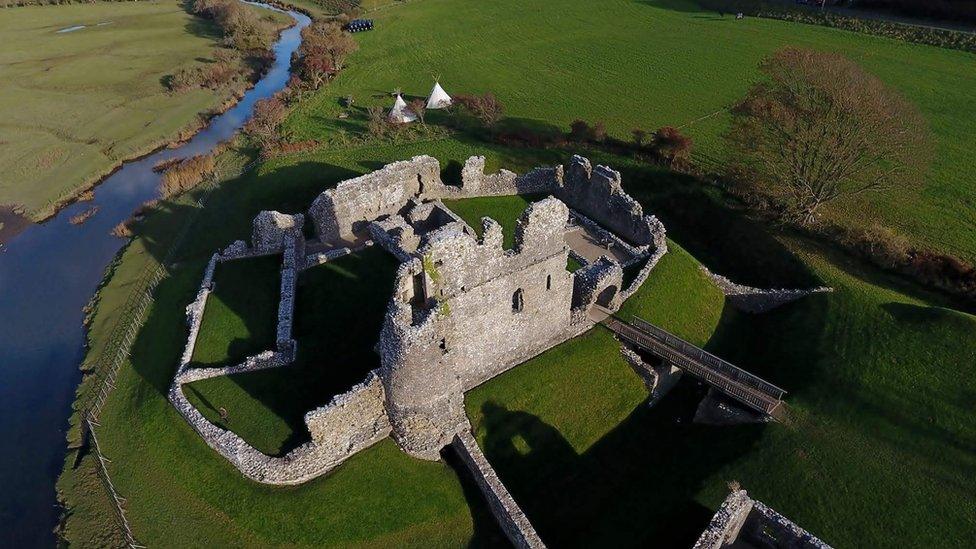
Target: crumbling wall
{"x":759,"y":300}
{"x":269,"y":230}
{"x":598,"y":283}
{"x":353,"y":420}
{"x":658,"y":379}
{"x":598,"y":194}
{"x":506,"y":511}
{"x":341,"y":212}
{"x":724,"y":527}
{"x":286,"y":302}
{"x":744,"y":521}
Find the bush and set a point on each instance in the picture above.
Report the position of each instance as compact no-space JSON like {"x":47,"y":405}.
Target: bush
{"x":671,"y":147}
{"x":187,"y":174}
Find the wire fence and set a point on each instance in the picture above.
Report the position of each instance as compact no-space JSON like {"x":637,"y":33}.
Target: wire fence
{"x":105,"y":367}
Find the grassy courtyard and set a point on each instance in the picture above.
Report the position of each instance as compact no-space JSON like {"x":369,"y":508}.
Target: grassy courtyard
{"x":338,"y":314}
{"x":75,"y":104}
{"x":241,"y":314}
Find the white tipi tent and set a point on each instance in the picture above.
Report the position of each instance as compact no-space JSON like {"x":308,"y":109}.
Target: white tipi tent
{"x":400,"y":114}
{"x":438,"y":98}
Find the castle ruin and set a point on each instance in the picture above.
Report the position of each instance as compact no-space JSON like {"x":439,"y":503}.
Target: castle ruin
{"x":464,"y":309}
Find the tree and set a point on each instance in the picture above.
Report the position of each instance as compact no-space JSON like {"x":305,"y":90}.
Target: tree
{"x":419,"y":108}
{"x":486,"y":108}
{"x":377,"y":124}
{"x":325,"y":47}
{"x":640,"y":137}
{"x":268,"y":115}
{"x":819,"y":128}
{"x":670,"y":146}
{"x":580,"y":131}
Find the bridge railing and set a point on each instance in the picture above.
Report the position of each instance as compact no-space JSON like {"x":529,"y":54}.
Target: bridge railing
{"x":704,"y":357}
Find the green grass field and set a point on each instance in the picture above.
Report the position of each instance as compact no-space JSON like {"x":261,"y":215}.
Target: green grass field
{"x":652,"y":63}
{"x":879,"y":450}
{"x":74,"y":105}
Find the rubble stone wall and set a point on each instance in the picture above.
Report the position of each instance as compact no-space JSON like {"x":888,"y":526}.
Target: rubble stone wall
{"x":353,"y":420}
{"x":340,"y":212}
{"x":759,"y":300}
{"x":598,"y":193}
{"x":728,"y":521}
{"x":269,"y":230}
{"x":509,"y":515}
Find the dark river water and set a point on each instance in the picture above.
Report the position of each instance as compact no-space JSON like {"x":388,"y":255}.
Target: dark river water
{"x":47,"y":274}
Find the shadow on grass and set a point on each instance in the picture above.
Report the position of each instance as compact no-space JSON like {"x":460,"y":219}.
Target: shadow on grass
{"x":339,"y":311}
{"x":487,"y":532}
{"x":636,"y":486}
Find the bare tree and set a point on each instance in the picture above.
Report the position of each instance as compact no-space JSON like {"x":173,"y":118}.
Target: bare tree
{"x":671,"y":146}
{"x":820,"y":128}
{"x":325,"y":47}
{"x":486,"y":108}
{"x":377,"y":125}
{"x":268,"y":115}
{"x":419,"y":108}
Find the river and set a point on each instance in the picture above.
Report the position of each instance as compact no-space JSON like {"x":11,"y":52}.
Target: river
{"x":47,"y":275}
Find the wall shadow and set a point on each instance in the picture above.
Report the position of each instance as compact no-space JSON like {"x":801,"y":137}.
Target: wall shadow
{"x":637,"y":486}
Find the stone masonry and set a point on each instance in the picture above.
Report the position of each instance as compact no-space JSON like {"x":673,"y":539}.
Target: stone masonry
{"x":464,"y":309}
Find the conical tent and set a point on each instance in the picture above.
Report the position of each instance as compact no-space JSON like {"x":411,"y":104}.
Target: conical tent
{"x":400,"y":113}
{"x":438,"y":98}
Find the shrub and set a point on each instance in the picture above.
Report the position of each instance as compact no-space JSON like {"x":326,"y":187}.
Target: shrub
{"x":671,"y":147}
{"x":187,"y":174}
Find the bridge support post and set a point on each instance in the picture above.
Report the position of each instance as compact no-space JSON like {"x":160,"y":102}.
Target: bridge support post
{"x":659,"y":379}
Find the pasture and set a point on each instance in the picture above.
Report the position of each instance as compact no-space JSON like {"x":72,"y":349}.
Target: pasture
{"x":75,"y":104}
{"x":650,"y":63}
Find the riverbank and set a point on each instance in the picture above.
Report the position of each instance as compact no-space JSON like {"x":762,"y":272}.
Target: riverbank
{"x":50,"y":272}
{"x":78,"y":105}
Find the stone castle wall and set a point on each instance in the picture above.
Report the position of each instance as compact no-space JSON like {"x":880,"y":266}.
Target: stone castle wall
{"x":509,"y":515}
{"x":743,"y":521}
{"x":340,"y":212}
{"x":353,"y":420}
{"x":466,"y":311}
{"x":598,"y":194}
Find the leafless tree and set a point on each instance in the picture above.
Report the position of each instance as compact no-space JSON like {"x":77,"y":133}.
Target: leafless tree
{"x":819,"y":128}
{"x":671,"y":146}
{"x":268,"y":115}
{"x":419,"y":108}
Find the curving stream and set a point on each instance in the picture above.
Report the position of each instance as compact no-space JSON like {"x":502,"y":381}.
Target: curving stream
{"x":47,"y":275}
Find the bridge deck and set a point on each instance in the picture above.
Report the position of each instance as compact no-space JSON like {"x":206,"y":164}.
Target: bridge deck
{"x":751,"y":390}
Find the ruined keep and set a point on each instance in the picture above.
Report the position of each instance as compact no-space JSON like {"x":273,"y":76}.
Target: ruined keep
{"x":464,"y":309}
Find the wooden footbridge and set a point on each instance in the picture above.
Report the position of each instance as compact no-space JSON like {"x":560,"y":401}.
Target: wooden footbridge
{"x":746,"y":388}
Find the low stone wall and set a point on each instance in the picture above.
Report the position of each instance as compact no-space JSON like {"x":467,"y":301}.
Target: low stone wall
{"x":645,"y":271}
{"x":759,"y":300}
{"x":286,"y":304}
{"x":753,"y":524}
{"x":194,"y":313}
{"x":320,"y":258}
{"x":475,"y":182}
{"x":728,"y":521}
{"x":509,"y":515}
